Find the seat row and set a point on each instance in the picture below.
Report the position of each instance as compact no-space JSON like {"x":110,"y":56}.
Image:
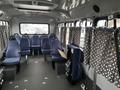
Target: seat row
{"x":22,"y":46}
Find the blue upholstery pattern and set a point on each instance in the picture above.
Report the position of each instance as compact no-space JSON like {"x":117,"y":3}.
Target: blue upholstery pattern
{"x":45,"y":47}
{"x":54,"y":46}
{"x":35,"y":42}
{"x":18,"y":38}
{"x":24,"y":45}
{"x":11,"y":61}
{"x":12,"y":53}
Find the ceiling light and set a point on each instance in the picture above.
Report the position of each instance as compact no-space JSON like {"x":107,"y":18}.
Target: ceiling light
{"x":34,"y":7}
{"x":26,"y":10}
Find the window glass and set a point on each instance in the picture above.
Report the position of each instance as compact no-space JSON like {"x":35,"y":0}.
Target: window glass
{"x":83,"y":1}
{"x":72,"y":24}
{"x":0,"y":23}
{"x":26,"y":28}
{"x":89,"y":24}
{"x":67,"y":24}
{"x":78,"y":24}
{"x":83,"y":24}
{"x":110,"y":23}
{"x":4,"y":23}
{"x":101,"y":23}
{"x":82,"y":37}
{"x":118,"y":22}
{"x":59,"y":30}
{"x":67,"y":35}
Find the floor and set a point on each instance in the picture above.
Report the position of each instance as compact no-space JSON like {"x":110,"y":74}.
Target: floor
{"x":38,"y":75}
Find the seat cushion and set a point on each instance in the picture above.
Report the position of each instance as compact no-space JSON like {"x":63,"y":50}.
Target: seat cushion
{"x":26,"y":52}
{"x":58,"y":59}
{"x":35,"y":46}
{"x":11,"y":61}
{"x":45,"y":51}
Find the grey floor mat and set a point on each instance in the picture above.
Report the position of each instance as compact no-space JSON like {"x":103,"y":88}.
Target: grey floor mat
{"x":38,"y":75}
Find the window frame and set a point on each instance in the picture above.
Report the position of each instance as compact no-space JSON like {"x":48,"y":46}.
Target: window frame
{"x":33,"y":23}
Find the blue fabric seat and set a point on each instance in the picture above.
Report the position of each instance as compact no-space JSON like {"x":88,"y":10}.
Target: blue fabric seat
{"x":57,"y":58}
{"x":17,"y":37}
{"x":45,"y":47}
{"x":55,"y":45}
{"x":12,"y":56}
{"x":24,"y":46}
{"x":35,"y":42}
{"x":12,"y":61}
{"x":12,"y":52}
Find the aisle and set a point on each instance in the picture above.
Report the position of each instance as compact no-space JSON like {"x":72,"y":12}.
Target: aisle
{"x":38,"y":75}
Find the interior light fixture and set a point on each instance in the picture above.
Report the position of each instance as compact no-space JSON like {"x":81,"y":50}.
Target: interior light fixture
{"x":28,"y":10}
{"x":32,"y":7}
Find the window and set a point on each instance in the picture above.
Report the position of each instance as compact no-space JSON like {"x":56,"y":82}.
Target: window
{"x":82,"y":37}
{"x":26,"y":28}
{"x":118,"y":22}
{"x":89,"y":23}
{"x":82,"y":34}
{"x":101,"y":23}
{"x":110,"y":23}
{"x":83,"y":1}
{"x":83,"y":24}
{"x":67,"y":35}
{"x":78,"y":24}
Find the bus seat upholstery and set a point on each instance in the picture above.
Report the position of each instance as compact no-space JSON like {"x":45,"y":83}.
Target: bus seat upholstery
{"x":24,"y":46}
{"x":17,"y":37}
{"x":45,"y":46}
{"x":12,"y":54}
{"x":35,"y":42}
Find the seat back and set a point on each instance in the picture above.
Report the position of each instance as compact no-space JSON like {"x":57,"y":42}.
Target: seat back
{"x":18,"y":38}
{"x":25,"y":36}
{"x":12,"y":49}
{"x":24,"y":43}
{"x":52,"y":35}
{"x":35,"y":40}
{"x":45,"y":43}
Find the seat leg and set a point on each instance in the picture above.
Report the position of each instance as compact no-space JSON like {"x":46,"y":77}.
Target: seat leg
{"x":45,"y":57}
{"x":18,"y":67}
{"x":53,"y":65}
{"x":26,"y":57}
{"x":33,"y":52}
{"x":38,"y":53}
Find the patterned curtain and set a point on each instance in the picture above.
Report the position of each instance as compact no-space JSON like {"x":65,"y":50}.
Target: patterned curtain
{"x":63,"y":35}
{"x":117,"y":41}
{"x":87,"y":43}
{"x":103,"y":54}
{"x":76,"y":37}
{"x":64,"y":39}
{"x":71,"y":34}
